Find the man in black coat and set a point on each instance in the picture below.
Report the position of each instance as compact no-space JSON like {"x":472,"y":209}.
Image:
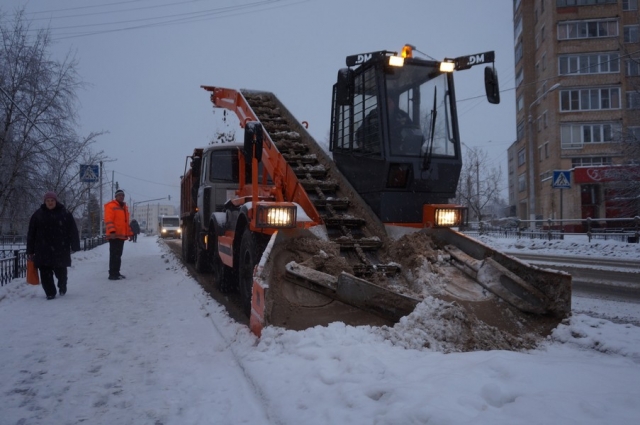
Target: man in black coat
{"x":135,"y":228}
{"x":52,"y":236}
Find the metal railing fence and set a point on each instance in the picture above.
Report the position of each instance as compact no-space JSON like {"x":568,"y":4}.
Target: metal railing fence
{"x":619,"y":229}
{"x":13,"y":262}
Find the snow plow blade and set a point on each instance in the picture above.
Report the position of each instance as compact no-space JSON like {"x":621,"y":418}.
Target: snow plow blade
{"x":301,"y":290}
{"x":354,"y":291}
{"x":528,"y":288}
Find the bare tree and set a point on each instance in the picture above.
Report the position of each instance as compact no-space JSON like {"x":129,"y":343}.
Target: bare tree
{"x":625,"y":188}
{"x":479,"y":184}
{"x":39,"y":147}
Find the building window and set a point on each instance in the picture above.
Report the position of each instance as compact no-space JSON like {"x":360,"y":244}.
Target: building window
{"x":575,"y":135}
{"x":632,"y":67}
{"x":518,"y":52}
{"x":539,"y":123}
{"x":521,"y":157}
{"x":544,"y":61}
{"x":596,"y":63}
{"x":587,"y":29}
{"x":517,"y":28}
{"x":590,"y":161}
{"x":562,"y":3}
{"x":519,"y":77}
{"x":545,"y":121}
{"x":520,"y":103}
{"x":546,"y":150}
{"x":590,"y":99}
{"x":520,"y":130}
{"x":634,"y":133}
{"x":631,"y":33}
{"x":629,"y":4}
{"x":522,"y":183}
{"x":633,"y":100}
{"x":539,"y":153}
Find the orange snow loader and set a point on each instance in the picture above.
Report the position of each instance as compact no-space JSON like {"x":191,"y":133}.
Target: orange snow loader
{"x":366,"y":233}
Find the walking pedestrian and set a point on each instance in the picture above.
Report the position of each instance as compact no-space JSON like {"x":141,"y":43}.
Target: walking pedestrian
{"x":135,"y":228}
{"x":51,"y":238}
{"x":116,"y":221}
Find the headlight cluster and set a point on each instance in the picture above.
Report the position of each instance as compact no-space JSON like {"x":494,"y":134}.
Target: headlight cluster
{"x":448,"y":217}
{"x":444,"y":215}
{"x":276,"y":216}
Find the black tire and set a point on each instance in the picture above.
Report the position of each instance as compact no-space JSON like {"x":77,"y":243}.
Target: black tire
{"x":188,"y":254}
{"x":223,"y":276}
{"x":250,"y":251}
{"x":203,"y":264}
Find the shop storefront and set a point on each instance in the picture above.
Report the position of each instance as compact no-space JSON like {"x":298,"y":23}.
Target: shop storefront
{"x":604,"y":191}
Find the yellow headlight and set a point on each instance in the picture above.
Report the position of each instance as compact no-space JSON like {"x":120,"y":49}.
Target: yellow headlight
{"x":444,"y":215}
{"x":276,"y":216}
{"x":447,"y":66}
{"x":396,"y":61}
{"x":447,"y":217}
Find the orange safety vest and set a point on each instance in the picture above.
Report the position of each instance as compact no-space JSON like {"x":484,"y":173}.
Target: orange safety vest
{"x":116,"y":220}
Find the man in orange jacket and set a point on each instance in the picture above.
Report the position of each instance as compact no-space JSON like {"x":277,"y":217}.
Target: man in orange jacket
{"x":116,"y":221}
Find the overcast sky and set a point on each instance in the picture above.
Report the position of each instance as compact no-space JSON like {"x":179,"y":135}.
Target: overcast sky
{"x":144,"y":62}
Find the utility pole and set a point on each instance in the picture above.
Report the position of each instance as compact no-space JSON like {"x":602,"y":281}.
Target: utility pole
{"x":100,"y":206}
{"x":531,"y":166}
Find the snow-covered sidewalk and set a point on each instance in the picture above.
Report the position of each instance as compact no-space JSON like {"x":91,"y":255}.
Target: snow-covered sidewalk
{"x":155,"y":349}
{"x":137,"y":351}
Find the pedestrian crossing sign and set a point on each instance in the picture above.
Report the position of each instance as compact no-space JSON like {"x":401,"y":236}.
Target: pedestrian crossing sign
{"x":562,"y":179}
{"x":89,"y":173}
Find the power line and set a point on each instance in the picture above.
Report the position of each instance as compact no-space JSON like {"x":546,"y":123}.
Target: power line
{"x":147,"y":181}
{"x":163,"y":20}
{"x":95,"y":6}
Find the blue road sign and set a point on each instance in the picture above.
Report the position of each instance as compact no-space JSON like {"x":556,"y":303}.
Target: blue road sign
{"x":561,"y":179}
{"x":89,"y":173}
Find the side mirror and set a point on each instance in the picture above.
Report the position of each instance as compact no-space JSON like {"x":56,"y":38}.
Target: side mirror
{"x":196,"y":163}
{"x":491,"y":85}
{"x":252,"y":136}
{"x":344,"y":87}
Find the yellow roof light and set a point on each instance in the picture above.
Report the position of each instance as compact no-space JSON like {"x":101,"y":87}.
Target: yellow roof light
{"x":447,"y":66}
{"x":396,"y":61}
{"x":407,"y":51}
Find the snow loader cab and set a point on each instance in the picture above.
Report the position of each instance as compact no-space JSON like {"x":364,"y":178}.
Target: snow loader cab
{"x":394,"y":120}
{"x":363,"y":237}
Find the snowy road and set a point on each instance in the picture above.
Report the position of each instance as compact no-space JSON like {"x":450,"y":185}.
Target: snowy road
{"x":154,"y":349}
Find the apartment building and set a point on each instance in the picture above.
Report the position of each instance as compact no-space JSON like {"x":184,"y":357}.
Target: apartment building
{"x":577,"y":73}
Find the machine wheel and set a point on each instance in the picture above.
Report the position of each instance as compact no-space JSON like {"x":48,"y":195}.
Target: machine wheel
{"x":187,"y":244}
{"x":202,"y":259}
{"x":250,"y":251}
{"x":223,"y":276}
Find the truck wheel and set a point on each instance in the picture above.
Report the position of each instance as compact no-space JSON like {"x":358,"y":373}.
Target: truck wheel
{"x":223,"y":276}
{"x":202,"y":259}
{"x":250,"y":251}
{"x":187,"y":244}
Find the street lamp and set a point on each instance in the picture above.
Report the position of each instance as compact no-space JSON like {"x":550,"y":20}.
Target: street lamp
{"x":531,"y":167}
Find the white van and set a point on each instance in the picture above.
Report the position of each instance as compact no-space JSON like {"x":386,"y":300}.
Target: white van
{"x":169,"y":226}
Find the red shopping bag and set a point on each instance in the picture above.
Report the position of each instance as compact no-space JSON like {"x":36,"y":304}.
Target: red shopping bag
{"x":32,"y":273}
